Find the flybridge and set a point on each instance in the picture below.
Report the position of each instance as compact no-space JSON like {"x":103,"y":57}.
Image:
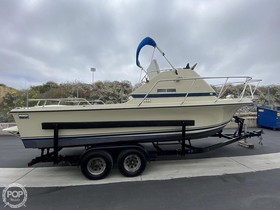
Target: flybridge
{"x":188,"y":85}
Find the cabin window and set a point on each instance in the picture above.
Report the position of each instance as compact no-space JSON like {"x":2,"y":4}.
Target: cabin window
{"x":166,"y":90}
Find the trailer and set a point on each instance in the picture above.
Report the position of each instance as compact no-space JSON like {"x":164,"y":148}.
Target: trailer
{"x":97,"y":160}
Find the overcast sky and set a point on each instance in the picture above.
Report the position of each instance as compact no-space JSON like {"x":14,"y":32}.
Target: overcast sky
{"x":60,"y":40}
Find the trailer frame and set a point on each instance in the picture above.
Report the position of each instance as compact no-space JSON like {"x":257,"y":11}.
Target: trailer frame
{"x":122,"y":151}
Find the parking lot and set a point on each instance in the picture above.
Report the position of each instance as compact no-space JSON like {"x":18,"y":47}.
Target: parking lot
{"x":231,"y":177}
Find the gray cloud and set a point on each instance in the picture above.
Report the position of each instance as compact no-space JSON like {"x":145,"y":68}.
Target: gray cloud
{"x":60,"y":40}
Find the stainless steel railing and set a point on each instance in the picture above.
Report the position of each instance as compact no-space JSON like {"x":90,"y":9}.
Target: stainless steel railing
{"x":248,"y":82}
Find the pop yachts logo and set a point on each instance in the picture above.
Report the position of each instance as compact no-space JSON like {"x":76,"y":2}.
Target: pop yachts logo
{"x":14,"y":195}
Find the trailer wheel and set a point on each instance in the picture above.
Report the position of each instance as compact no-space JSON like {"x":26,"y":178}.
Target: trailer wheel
{"x":96,"y":164}
{"x":131,"y":162}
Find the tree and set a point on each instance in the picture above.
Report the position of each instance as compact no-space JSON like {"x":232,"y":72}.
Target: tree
{"x":111,"y":92}
{"x":12,"y":100}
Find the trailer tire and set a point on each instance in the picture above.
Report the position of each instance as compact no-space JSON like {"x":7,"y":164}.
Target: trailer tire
{"x":131,"y":162}
{"x":96,"y":164}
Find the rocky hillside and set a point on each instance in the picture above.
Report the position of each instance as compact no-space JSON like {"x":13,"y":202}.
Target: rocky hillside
{"x":4,"y":90}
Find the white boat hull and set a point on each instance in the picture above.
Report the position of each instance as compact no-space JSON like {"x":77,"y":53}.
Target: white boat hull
{"x":208,"y":120}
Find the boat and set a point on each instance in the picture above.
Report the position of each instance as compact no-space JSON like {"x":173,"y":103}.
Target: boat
{"x":155,"y":111}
